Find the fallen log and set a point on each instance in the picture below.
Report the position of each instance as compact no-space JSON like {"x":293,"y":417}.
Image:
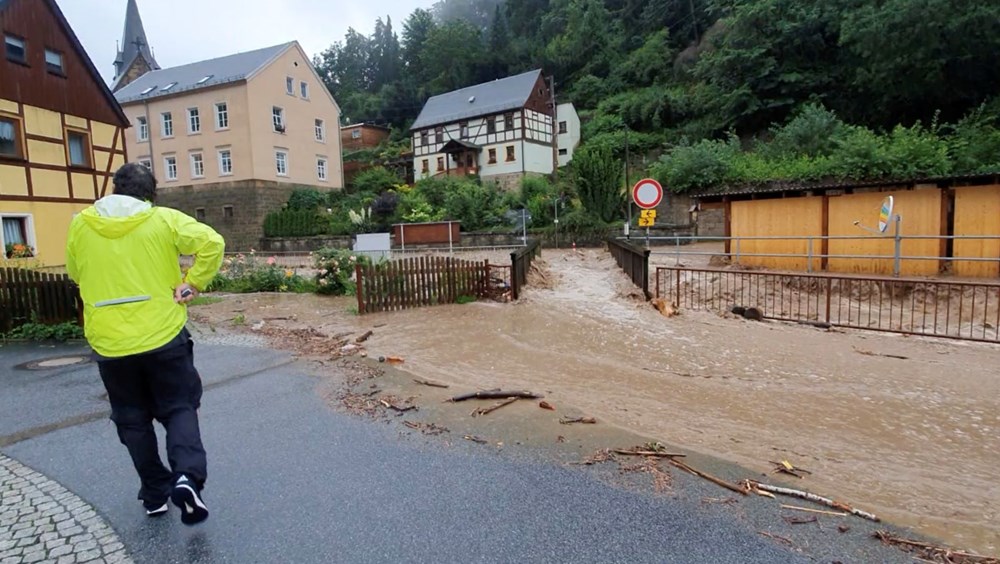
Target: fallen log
{"x":819,"y":511}
{"x":799,"y":520}
{"x":939,"y":553}
{"x":571,"y":420}
{"x":496,"y":394}
{"x":430,"y":383}
{"x":364,"y":337}
{"x":393,"y":406}
{"x":708,"y":477}
{"x":651,"y":453}
{"x":492,"y":408}
{"x":812,"y":497}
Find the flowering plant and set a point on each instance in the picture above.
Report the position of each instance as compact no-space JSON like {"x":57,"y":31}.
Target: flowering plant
{"x":336,"y":269}
{"x":18,"y":250}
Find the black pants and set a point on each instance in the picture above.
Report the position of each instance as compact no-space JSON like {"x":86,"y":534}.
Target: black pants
{"x":164,"y":385}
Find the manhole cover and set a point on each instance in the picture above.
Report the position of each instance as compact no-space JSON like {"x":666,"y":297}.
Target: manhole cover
{"x":54,"y":362}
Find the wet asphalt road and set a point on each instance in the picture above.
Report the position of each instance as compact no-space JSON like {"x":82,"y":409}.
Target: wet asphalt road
{"x":292,"y":481}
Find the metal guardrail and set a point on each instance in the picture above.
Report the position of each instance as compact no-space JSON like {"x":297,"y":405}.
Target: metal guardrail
{"x":813,"y":252}
{"x":634,"y":261}
{"x":913,"y":306}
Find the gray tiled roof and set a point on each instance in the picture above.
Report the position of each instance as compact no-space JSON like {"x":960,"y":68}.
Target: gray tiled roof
{"x":490,"y":97}
{"x":231,"y":68}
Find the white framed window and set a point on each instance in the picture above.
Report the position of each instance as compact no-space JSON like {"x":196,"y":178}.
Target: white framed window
{"x":356,"y":134}
{"x":278,"y":119}
{"x":166,"y":125}
{"x":281,"y":162}
{"x":320,"y":131}
{"x":141,"y":129}
{"x":225,"y":162}
{"x":170,"y":168}
{"x":304,"y":89}
{"x":194,"y":120}
{"x":290,"y":85}
{"x":146,"y":162}
{"x":321,"y":168}
{"x":17,"y":229}
{"x":221,"y":115}
{"x":197,"y":165}
{"x":54,"y":61}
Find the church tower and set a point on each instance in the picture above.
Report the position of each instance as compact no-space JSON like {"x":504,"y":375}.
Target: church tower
{"x":134,"y":56}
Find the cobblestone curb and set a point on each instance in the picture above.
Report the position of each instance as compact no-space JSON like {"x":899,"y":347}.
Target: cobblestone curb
{"x":41,"y":521}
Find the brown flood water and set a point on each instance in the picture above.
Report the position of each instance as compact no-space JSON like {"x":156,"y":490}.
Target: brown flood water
{"x":915,"y":441}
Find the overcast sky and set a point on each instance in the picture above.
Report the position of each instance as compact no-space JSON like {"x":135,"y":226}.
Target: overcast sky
{"x":185,"y":31}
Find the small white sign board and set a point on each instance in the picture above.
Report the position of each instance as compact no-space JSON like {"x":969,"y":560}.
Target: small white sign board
{"x":373,"y":245}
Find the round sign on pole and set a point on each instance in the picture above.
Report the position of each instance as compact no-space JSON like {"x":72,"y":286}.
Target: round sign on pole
{"x":647,"y":193}
{"x":885,"y":214}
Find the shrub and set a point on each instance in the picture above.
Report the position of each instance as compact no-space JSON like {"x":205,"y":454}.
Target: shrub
{"x":246,"y":273}
{"x":306,"y":199}
{"x":34,"y":331}
{"x":814,"y":131}
{"x":703,"y":164}
{"x":476,"y":206}
{"x":336,"y":271}
{"x":376,"y":180}
{"x":295,"y":223}
{"x":599,"y":182}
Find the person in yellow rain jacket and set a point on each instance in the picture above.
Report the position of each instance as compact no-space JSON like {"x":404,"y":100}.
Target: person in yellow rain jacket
{"x":123,"y":253}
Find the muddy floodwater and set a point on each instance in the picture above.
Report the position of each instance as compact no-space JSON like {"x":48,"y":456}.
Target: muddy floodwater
{"x":915,"y":441}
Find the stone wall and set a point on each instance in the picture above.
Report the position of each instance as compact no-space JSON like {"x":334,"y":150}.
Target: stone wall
{"x":304,"y":244}
{"x":235,"y":209}
{"x":711,"y":222}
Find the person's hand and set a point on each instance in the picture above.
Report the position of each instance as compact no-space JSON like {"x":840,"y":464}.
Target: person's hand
{"x":185,"y":293}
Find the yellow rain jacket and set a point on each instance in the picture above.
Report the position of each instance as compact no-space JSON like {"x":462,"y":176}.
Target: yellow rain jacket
{"x":124,"y":253}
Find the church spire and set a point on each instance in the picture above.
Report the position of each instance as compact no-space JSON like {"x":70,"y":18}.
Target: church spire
{"x":134,"y":55}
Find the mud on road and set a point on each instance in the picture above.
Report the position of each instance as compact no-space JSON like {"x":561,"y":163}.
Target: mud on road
{"x":914,"y":440}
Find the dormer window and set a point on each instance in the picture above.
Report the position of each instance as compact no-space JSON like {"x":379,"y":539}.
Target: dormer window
{"x":204,"y":79}
{"x":168,"y":87}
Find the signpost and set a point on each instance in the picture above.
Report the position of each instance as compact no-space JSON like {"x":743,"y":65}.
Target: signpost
{"x":647,"y":194}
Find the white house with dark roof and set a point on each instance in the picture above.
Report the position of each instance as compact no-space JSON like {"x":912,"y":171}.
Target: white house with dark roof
{"x":501,"y":131}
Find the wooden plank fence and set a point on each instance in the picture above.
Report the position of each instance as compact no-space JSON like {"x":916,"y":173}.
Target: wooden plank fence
{"x":30,"y":295}
{"x":420,"y":281}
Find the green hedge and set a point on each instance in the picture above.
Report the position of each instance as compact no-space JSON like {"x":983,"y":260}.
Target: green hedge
{"x":295,"y":223}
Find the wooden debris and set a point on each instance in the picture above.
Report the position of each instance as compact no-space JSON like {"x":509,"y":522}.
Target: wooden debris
{"x":546,"y":405}
{"x":390,"y":402}
{"x":598,"y":457}
{"x":799,"y":520}
{"x":872,"y":353}
{"x":843,"y":528}
{"x":571,"y":420}
{"x":786,"y":467}
{"x":708,"y":477}
{"x":496,"y":394}
{"x":719,"y":500}
{"x":750,"y":484}
{"x":427,"y":428}
{"x":650,"y":453}
{"x":364,"y":337}
{"x":820,"y":511}
{"x":779,"y":538}
{"x":932,"y":552}
{"x":817,"y":324}
{"x":475,"y":439}
{"x":424,"y":382}
{"x":666,"y":309}
{"x":492,"y":408}
{"x":662,"y":481}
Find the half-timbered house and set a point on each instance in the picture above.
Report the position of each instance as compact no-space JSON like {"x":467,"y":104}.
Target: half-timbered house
{"x":61,"y":130}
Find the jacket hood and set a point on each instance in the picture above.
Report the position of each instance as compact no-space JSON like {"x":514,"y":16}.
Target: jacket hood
{"x":115,"y":216}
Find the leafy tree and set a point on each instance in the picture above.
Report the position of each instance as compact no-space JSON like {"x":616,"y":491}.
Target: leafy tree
{"x":599,"y":182}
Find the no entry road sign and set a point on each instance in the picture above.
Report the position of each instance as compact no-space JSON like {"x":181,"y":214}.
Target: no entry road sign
{"x":647,"y":193}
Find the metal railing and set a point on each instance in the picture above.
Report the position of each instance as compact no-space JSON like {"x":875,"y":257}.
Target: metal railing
{"x":634,"y":261}
{"x":913,"y":306}
{"x":814,"y":256}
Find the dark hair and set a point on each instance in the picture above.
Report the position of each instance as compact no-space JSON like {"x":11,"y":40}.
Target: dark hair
{"x":134,"y":179}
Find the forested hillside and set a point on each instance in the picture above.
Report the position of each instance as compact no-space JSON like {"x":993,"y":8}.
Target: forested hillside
{"x":844,"y":88}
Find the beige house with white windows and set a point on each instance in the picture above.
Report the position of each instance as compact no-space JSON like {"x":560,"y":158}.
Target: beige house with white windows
{"x":229,"y":138}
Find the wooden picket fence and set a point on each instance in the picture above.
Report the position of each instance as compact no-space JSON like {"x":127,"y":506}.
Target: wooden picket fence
{"x":421,"y":281}
{"x":30,"y":295}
